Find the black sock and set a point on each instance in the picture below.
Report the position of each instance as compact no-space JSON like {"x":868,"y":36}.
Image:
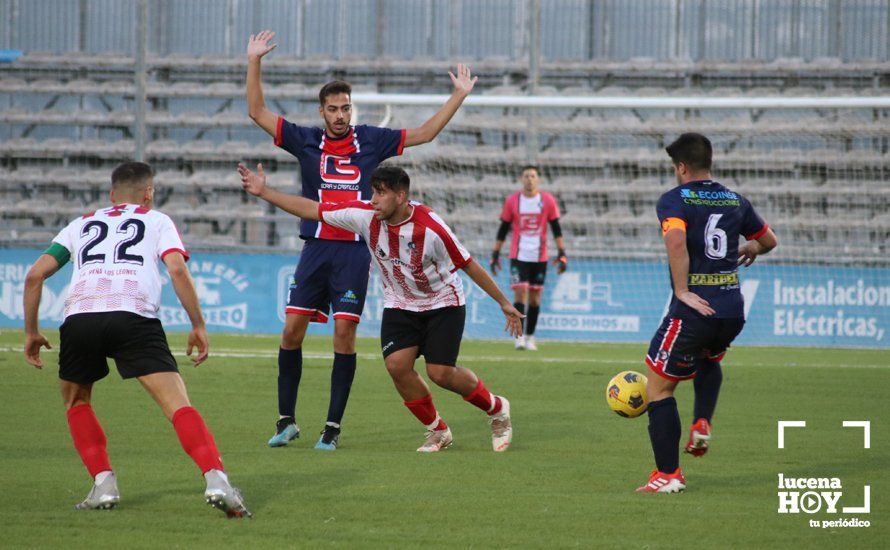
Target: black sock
{"x":521,"y":308}
{"x":664,"y":432}
{"x":290,"y":369}
{"x":707,"y":387}
{"x":532,"y":319}
{"x":341,"y":382}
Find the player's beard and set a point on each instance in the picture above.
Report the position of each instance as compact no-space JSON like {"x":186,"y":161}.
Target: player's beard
{"x":338,"y":131}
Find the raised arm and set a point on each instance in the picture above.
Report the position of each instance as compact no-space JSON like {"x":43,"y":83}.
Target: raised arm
{"x":486,"y":283}
{"x":42,"y":269}
{"x":678,"y":258}
{"x":463,"y":85}
{"x":257,"y":47}
{"x":255,"y":184}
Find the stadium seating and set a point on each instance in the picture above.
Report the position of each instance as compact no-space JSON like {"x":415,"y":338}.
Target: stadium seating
{"x":67,"y":121}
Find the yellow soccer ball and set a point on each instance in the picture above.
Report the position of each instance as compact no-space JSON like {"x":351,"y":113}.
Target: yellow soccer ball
{"x":626,"y":394}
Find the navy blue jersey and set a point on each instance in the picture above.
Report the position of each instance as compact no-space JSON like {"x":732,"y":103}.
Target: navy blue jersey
{"x":713,"y":218}
{"x":336,"y":170}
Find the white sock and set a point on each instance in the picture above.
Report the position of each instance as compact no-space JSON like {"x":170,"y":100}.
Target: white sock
{"x":435,"y":423}
{"x":102,"y":476}
{"x":221,"y":474}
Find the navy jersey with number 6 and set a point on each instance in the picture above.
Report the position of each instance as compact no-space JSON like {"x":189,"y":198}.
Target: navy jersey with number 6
{"x":336,"y":170}
{"x":713,"y":218}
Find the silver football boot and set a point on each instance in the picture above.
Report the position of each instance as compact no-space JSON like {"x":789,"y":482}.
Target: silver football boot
{"x":103,"y":496}
{"x":222,"y":496}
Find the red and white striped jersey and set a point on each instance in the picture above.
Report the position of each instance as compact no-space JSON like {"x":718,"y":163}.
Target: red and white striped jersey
{"x":417,"y":258}
{"x":115,"y":252}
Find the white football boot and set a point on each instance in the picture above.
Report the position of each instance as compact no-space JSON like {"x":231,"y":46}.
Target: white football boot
{"x":519,"y":342}
{"x":222,"y":496}
{"x":103,"y":496}
{"x":436,"y":440}
{"x":501,"y":427}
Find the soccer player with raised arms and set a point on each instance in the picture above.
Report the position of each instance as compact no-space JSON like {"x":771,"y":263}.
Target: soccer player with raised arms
{"x":528,"y":212}
{"x":112,"y":311}
{"x":424,"y":305}
{"x":701,"y":221}
{"x":336,"y":163}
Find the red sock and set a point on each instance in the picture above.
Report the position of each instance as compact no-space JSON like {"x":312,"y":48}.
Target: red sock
{"x":196,"y":439}
{"x":89,"y":439}
{"x":484,"y":399}
{"x":425,"y":411}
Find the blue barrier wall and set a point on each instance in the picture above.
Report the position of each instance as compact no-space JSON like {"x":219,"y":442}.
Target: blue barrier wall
{"x":594,"y":301}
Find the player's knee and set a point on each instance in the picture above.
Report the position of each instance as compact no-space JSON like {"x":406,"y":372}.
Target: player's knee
{"x":75,"y":394}
{"x":658,"y":388}
{"x":74,"y":401}
{"x":344,"y":336}
{"x":396,"y":369}
{"x":534,"y":298}
{"x":439,"y":374}
{"x":292,"y":338}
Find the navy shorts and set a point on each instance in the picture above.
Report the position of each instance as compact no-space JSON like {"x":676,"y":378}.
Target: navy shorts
{"x":331,"y":275}
{"x":527,"y":274}
{"x":680,"y":345}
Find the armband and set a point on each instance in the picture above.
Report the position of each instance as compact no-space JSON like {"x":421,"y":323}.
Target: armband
{"x":59,"y":252}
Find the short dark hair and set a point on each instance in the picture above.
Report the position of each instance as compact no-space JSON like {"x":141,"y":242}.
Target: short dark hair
{"x":390,"y":177}
{"x":692,"y":149}
{"x":131,"y":175}
{"x":529,"y":167}
{"x":334,"y":88}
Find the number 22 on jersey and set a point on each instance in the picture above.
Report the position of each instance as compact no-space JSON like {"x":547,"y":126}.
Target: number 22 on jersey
{"x":128,"y":234}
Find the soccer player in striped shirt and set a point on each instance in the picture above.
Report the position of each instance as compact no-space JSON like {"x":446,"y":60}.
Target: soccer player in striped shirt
{"x":424,"y":305}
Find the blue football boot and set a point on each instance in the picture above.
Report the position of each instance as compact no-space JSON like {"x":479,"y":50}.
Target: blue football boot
{"x":286,"y":430}
{"x":329,"y":439}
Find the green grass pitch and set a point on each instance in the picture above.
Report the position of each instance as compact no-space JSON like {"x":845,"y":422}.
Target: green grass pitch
{"x":567,"y":481}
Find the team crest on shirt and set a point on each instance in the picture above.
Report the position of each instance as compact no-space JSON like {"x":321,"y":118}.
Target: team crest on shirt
{"x":411,"y":246}
{"x":380,"y":252}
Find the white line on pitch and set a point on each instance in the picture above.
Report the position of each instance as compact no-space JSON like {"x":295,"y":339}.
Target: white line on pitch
{"x":520,"y":357}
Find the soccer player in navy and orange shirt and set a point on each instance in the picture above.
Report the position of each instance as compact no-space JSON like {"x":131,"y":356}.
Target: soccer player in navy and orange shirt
{"x":701,"y":221}
{"x":336,"y":163}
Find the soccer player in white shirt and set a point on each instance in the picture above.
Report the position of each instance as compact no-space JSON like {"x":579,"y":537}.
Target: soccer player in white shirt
{"x":424,"y":305}
{"x":111,"y":311}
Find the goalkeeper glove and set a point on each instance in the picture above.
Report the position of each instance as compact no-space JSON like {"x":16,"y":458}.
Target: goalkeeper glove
{"x":561,"y":262}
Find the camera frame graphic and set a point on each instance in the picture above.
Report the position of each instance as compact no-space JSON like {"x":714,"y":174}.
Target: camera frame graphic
{"x":866,"y":444}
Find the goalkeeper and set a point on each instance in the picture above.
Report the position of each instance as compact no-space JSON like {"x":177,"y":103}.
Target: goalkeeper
{"x":528,"y":212}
